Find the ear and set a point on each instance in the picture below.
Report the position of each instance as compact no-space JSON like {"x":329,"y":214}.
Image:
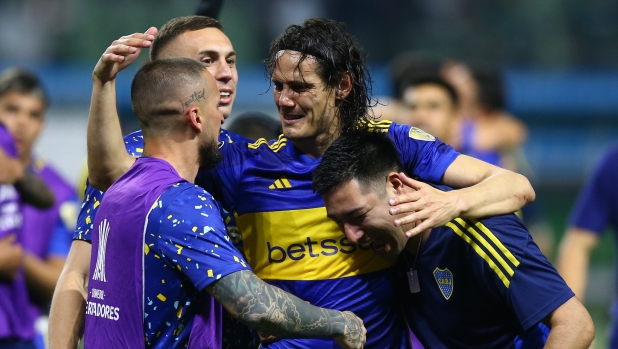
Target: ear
{"x":344,"y":87}
{"x":393,"y":181}
{"x":195,"y":118}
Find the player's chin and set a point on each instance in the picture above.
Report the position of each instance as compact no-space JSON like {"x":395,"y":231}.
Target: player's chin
{"x":226,"y":110}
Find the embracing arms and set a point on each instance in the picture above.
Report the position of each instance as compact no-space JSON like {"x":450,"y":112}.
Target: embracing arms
{"x":486,"y":190}
{"x":278,"y":313}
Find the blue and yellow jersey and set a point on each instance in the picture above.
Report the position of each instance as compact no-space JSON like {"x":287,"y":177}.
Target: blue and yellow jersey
{"x":483,"y":284}
{"x":290,"y":242}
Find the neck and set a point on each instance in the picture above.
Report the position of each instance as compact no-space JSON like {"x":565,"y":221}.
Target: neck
{"x":413,"y":243}
{"x":182,"y":155}
{"x":316,"y":146}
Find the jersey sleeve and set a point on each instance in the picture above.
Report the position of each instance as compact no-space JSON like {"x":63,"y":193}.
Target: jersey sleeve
{"x":514,"y":269}
{"x":593,"y":206}
{"x":85,"y":218}
{"x":192,"y":238}
{"x":422,"y":155}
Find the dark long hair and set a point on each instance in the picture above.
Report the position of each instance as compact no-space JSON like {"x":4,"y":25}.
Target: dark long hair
{"x":337,"y":53}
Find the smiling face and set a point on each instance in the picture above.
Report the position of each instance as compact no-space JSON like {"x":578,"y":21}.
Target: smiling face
{"x":306,"y":106}
{"x":214,"y":49}
{"x":22,"y":114}
{"x":364,"y":217}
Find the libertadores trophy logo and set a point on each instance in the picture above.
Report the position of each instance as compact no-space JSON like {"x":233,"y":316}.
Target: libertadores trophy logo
{"x":99,"y":270}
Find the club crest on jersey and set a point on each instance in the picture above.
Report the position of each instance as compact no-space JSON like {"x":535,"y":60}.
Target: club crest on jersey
{"x":417,"y":133}
{"x":444,"y":278}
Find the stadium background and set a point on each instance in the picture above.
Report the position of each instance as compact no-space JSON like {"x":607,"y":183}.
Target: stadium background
{"x":558,"y":59}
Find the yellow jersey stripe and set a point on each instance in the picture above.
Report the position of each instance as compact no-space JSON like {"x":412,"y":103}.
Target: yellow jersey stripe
{"x":278,"y":184}
{"x":495,"y":240}
{"x":484,"y":242}
{"x":481,"y":253}
{"x":285,"y":182}
{"x":276,"y":148}
{"x":258,"y":143}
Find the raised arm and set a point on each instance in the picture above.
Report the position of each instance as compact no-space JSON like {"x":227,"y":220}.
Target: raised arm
{"x":66,"y":317}
{"x":278,"y":313}
{"x":486,"y":190}
{"x":107,"y":157}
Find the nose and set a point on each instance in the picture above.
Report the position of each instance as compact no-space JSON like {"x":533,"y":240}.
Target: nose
{"x":224,"y":72}
{"x":353,"y":232}
{"x":285,"y":98}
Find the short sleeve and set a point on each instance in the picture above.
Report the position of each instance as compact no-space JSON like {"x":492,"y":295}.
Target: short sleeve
{"x":536,"y":288}
{"x":192,"y":237}
{"x":515,"y":270}
{"x":422,"y":155}
{"x":85,"y":218}
{"x":593,"y":206}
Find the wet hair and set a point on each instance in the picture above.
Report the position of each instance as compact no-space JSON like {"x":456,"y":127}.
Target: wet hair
{"x":178,"y":26}
{"x":156,"y":84}
{"x":363,"y":155}
{"x":438,"y":81}
{"x":23,"y":82}
{"x":336,"y":53}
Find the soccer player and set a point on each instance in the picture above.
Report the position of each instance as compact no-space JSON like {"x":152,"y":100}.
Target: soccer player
{"x":196,"y":37}
{"x":161,"y":240}
{"x":595,"y":209}
{"x":469,"y":284}
{"x":46,"y":236}
{"x":321,"y":89}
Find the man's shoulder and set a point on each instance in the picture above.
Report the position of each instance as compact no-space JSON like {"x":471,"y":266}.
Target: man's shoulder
{"x":503,"y":237}
{"x":188,"y":198}
{"x":134,"y":143}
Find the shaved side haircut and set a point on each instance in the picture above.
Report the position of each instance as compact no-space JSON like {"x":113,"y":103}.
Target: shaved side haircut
{"x":156,"y":91}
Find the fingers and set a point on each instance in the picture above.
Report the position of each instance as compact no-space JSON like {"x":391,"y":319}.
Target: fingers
{"x":405,"y":198}
{"x":411,"y":182}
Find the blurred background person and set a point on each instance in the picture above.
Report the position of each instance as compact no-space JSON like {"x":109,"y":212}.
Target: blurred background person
{"x":255,"y":125}
{"x":596,"y":208}
{"x":46,"y":233}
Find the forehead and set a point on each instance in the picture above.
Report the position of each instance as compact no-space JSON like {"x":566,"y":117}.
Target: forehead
{"x":288,"y":69}
{"x":432,"y":91}
{"x":347,"y":194}
{"x":31,"y":99}
{"x":191,"y":43}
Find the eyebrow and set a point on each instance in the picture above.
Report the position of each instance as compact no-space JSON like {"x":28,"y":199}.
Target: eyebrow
{"x":216,"y":53}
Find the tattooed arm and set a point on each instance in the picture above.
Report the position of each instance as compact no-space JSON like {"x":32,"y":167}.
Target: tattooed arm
{"x":34,"y":191}
{"x":269,"y":309}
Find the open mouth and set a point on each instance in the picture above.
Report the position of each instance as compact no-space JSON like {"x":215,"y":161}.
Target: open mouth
{"x":226,"y":97}
{"x":291,"y":119}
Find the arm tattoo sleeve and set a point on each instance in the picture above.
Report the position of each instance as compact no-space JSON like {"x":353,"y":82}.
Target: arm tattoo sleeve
{"x":276,"y":312}
{"x":34,"y":191}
